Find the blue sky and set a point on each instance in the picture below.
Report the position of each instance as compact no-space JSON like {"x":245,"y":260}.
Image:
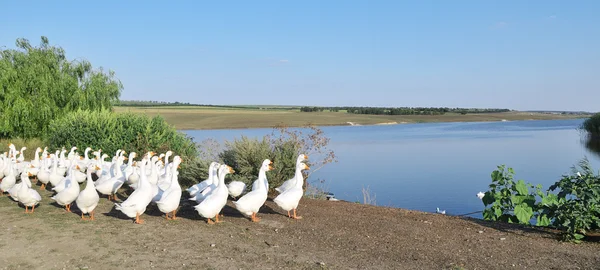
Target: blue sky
{"x":508,"y":54}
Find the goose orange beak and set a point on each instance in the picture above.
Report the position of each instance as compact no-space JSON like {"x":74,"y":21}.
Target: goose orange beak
{"x":29,"y":174}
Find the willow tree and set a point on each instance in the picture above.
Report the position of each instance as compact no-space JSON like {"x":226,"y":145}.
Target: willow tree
{"x":39,"y":84}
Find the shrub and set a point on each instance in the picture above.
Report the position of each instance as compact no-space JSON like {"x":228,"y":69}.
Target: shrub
{"x":39,"y":84}
{"x":575,"y":209}
{"x":578,"y":208}
{"x":592,"y":125}
{"x":131,"y":132}
{"x":282,"y":146}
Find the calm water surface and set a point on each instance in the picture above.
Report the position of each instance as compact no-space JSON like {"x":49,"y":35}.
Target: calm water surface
{"x":424,"y":166}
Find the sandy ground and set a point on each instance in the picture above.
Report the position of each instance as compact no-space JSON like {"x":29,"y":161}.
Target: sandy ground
{"x":331,"y":235}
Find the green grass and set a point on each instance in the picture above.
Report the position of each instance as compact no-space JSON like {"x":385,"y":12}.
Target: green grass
{"x":189,"y":117}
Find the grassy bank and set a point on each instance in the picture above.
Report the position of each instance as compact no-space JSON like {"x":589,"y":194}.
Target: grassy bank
{"x":183,"y":117}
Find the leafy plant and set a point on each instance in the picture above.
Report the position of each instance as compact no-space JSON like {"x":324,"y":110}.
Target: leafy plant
{"x":38,"y":85}
{"x":578,"y":210}
{"x":509,"y":201}
{"x":575,"y":209}
{"x":131,"y":132}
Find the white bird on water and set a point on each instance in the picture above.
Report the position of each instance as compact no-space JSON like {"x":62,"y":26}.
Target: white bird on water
{"x":440,"y":212}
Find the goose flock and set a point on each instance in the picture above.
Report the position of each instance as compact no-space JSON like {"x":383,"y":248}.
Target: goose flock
{"x":153,"y":180}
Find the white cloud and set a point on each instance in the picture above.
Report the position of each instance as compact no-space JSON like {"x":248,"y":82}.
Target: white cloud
{"x":500,"y":25}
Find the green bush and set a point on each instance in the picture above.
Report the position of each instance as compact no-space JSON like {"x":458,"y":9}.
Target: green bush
{"x":575,"y":209}
{"x":38,"y":84}
{"x":131,"y":132}
{"x":246,"y":156}
{"x":282,"y":147}
{"x":592,"y":125}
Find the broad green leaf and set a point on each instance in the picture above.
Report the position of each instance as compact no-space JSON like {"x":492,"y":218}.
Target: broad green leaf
{"x":543,"y":221}
{"x":497,"y":211}
{"x":521,"y":188}
{"x":517,"y":199}
{"x":523,"y":213}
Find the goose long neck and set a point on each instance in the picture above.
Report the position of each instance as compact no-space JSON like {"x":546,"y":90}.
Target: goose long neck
{"x":262,"y":174}
{"x":174,"y":180}
{"x":211,"y":173}
{"x":299,"y":177}
{"x":143,"y":176}
{"x":167,"y":160}
{"x":222,"y":177}
{"x":90,"y":180}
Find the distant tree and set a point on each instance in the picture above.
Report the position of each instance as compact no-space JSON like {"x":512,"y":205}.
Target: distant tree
{"x":38,"y":84}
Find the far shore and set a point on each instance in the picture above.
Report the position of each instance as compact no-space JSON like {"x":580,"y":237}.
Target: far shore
{"x":190,"y":118}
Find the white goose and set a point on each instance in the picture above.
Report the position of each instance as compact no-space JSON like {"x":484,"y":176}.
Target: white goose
{"x":36,"y":162}
{"x":28,"y":196}
{"x":291,"y":182}
{"x":111,"y":186}
{"x":250,"y":203}
{"x":171,"y":197}
{"x":55,"y":175}
{"x":63,"y":184}
{"x":212,"y":175}
{"x":68,"y":195}
{"x":135,"y":205}
{"x":44,"y":174}
{"x":9,"y":179}
{"x":88,"y":198}
{"x":289,"y":199}
{"x":14,"y":190}
{"x":212,"y":205}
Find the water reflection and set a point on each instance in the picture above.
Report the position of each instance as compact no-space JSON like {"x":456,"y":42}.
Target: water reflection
{"x":592,"y":144}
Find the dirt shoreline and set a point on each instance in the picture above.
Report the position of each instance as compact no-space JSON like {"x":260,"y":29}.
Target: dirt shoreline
{"x":331,"y":235}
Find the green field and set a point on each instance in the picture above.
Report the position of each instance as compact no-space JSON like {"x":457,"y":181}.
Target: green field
{"x":193,"y":117}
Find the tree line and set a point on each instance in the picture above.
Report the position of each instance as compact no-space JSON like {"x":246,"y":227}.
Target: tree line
{"x":402,"y":110}
{"x":150,"y":103}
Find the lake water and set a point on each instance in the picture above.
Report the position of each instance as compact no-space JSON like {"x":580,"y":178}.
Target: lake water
{"x":429,"y":165}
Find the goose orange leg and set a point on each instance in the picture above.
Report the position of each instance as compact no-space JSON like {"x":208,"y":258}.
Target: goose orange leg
{"x":210,"y":221}
{"x":254,"y":218}
{"x":173,"y":215}
{"x":217,"y":219}
{"x":43,"y":186}
{"x":82,"y":217}
{"x":167,"y":216}
{"x":138,"y":220}
{"x":32,"y":208}
{"x":92,"y":215}
{"x":296,"y":216}
{"x":68,"y":207}
{"x":26,"y":210}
